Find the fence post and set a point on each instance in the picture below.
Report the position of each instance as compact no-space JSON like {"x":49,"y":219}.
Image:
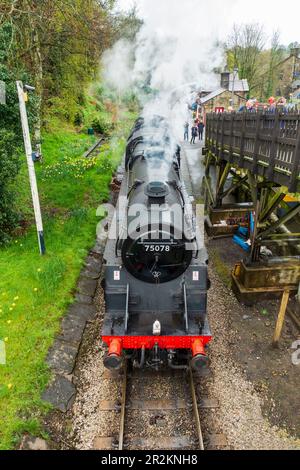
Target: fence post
{"x":221,"y":148}
{"x":242,"y":146}
{"x":273,"y":150}
{"x":231,"y":138}
{"x":256,"y":143}
{"x":296,"y":164}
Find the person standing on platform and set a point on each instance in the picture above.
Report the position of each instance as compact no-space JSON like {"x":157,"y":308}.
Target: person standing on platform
{"x":194,"y":133}
{"x":201,"y":127}
{"x":186,"y":131}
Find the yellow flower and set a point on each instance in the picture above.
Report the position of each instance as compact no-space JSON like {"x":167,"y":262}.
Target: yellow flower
{"x":6,"y":340}
{"x":13,"y":305}
{"x":35,"y":289}
{"x":9,"y":386}
{"x":16,"y":298}
{"x":9,"y":322}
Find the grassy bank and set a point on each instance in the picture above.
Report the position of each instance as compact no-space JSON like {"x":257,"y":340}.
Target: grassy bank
{"x":34,"y":290}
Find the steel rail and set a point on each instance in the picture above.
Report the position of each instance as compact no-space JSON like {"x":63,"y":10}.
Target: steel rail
{"x":123,"y":408}
{"x":167,"y":405}
{"x":94,"y":147}
{"x":196,"y":410}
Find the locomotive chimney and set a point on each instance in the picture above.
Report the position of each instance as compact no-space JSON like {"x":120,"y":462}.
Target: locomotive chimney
{"x":157,"y":192}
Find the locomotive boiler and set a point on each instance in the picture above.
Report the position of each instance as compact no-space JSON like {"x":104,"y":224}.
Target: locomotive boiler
{"x":155,"y":278}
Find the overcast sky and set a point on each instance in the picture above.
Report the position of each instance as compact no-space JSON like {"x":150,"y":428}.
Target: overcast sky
{"x":284,"y":16}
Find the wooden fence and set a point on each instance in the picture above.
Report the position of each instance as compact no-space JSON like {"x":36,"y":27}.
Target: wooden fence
{"x":268,"y":144}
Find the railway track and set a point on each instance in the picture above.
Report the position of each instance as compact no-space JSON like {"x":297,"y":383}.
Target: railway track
{"x":156,"y":411}
{"x":92,"y":151}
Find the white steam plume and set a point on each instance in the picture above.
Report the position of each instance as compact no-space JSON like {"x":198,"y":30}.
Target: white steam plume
{"x":176,"y":51}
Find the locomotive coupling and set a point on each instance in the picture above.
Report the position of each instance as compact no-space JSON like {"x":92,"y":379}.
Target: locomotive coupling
{"x":199,"y":359}
{"x":113,"y":360}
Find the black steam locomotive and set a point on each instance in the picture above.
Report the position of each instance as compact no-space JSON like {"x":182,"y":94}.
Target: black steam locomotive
{"x":155,"y":264}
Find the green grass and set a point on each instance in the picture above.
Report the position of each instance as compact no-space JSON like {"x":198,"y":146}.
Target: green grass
{"x":35,"y":290}
{"x":221,"y":268}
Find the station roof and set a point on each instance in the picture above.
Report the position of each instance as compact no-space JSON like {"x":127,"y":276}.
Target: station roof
{"x":236,"y":85}
{"x":213,"y":95}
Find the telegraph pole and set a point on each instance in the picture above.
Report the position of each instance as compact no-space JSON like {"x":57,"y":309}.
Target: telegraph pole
{"x":30,"y":164}
{"x":235,"y":72}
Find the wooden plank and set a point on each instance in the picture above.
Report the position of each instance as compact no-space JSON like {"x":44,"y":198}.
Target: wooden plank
{"x":104,"y":443}
{"x":257,"y":143}
{"x":231,"y":139}
{"x":162,"y":443}
{"x":296,"y":165}
{"x":281,"y":318}
{"x":293,"y":317}
{"x":157,"y":405}
{"x":242,"y":142}
{"x":217,"y":441}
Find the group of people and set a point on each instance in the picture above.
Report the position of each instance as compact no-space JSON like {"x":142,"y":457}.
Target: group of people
{"x":253,"y":105}
{"x":197,"y":130}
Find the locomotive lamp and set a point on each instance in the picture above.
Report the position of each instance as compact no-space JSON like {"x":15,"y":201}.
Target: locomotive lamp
{"x":156,"y":328}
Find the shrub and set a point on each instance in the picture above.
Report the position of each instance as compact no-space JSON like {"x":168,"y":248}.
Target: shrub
{"x":101,"y":126}
{"x":9,"y":167}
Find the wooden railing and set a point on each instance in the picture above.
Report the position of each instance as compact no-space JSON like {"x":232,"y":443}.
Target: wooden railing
{"x":268,"y":144}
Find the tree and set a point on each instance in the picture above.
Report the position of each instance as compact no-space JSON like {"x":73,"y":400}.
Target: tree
{"x":127,"y":25}
{"x":275,"y":58}
{"x":55,"y":45}
{"x":60,"y":42}
{"x":244,"y":47}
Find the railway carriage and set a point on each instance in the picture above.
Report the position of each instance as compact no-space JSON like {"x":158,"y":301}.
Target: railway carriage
{"x":155,"y":278}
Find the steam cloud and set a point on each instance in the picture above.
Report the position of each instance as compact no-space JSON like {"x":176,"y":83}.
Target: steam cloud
{"x":175,"y":53}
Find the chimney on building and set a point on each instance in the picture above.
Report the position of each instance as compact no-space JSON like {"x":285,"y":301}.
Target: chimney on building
{"x":225,"y":79}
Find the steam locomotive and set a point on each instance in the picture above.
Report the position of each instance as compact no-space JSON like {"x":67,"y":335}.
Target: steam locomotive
{"x":156,"y":278}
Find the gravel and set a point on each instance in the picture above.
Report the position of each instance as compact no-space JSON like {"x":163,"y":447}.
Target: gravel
{"x":240,"y":414}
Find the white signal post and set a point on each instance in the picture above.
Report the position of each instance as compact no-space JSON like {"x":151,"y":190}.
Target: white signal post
{"x":31,"y":169}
